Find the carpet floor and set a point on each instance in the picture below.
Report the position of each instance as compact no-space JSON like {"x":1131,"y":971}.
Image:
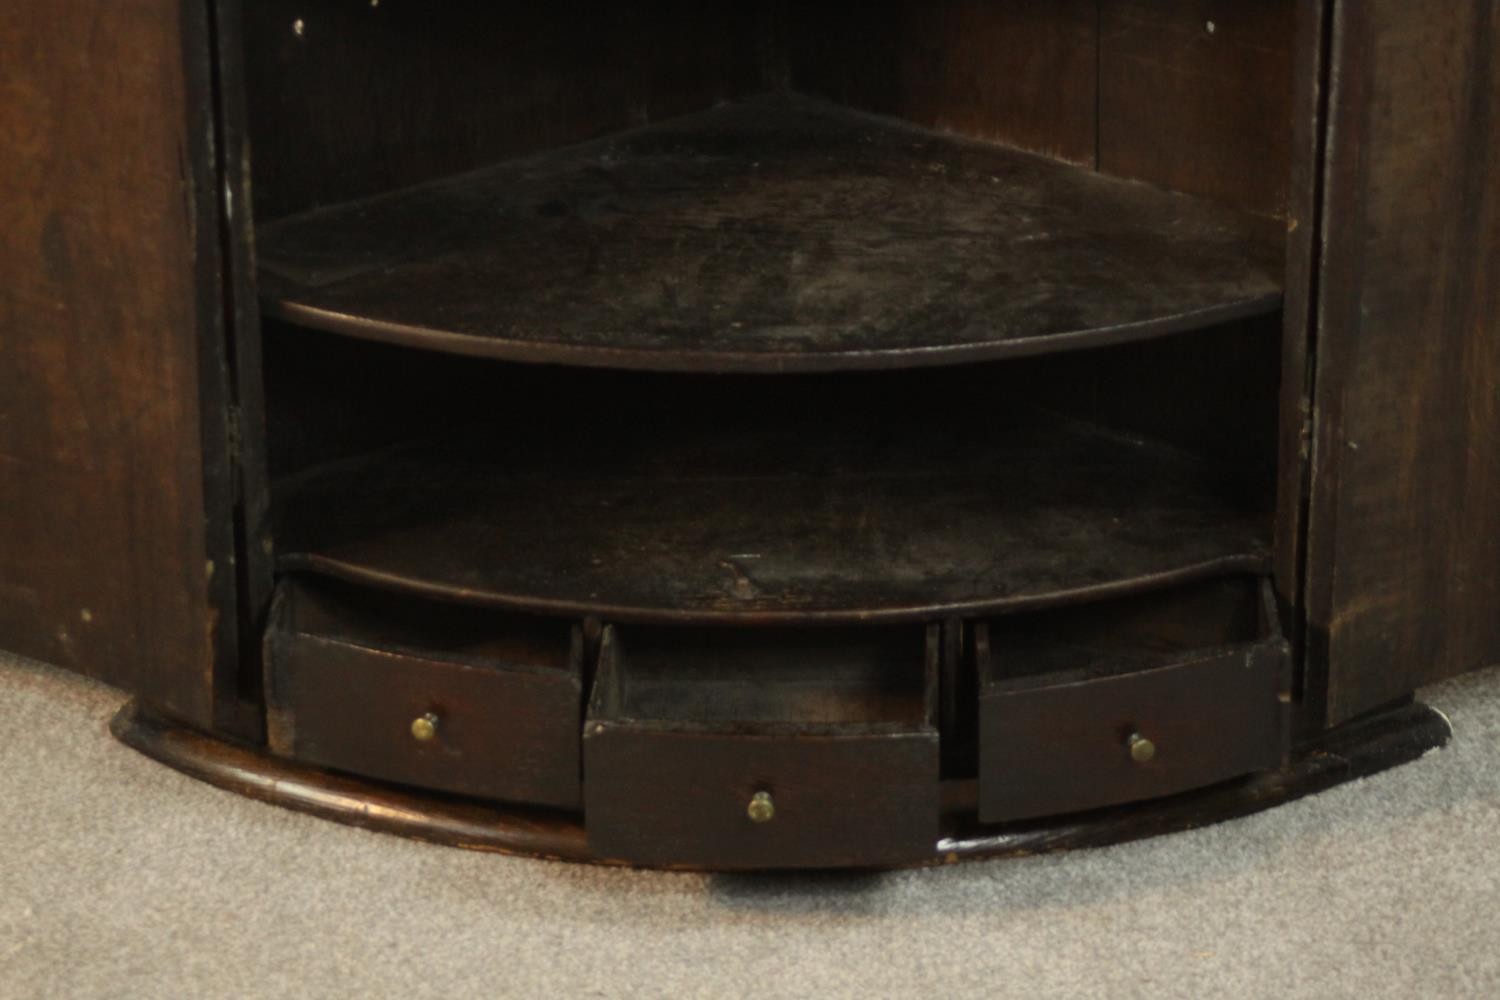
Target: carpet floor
{"x":120,"y":878}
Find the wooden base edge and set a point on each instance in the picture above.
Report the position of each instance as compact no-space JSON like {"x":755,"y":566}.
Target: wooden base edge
{"x":1355,"y":750}
{"x":355,"y":801}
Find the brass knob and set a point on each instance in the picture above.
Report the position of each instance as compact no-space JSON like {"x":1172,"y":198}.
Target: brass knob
{"x":1142,"y":750}
{"x":424,"y":727}
{"x":761,"y":808}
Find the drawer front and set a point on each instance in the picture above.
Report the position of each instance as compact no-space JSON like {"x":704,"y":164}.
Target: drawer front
{"x":1047,"y":750}
{"x":415,"y":719}
{"x":691,"y":798}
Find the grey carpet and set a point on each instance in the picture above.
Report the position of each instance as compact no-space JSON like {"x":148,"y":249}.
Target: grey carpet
{"x":120,"y":878}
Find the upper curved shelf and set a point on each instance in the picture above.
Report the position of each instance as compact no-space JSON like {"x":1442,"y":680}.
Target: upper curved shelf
{"x":779,"y":234}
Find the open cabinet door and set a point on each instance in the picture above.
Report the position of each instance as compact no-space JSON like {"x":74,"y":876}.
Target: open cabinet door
{"x":1403,"y":583}
{"x":117,"y":476}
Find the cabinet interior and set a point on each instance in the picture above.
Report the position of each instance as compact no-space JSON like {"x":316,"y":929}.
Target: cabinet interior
{"x":739,"y":316}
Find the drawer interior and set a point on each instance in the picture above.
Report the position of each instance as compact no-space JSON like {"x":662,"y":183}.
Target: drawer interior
{"x":1109,"y":638}
{"x":397,"y":623}
{"x":735,"y":679}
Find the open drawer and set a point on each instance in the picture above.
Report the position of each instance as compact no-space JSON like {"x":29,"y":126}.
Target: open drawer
{"x":1132,"y":699}
{"x":439,"y":696}
{"x":767,"y":748}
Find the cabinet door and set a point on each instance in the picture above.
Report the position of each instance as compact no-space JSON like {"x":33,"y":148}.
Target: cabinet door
{"x":1404,"y":533}
{"x":116,"y":500}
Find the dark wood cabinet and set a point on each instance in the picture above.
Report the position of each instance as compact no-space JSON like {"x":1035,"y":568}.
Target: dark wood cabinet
{"x":755,"y":435}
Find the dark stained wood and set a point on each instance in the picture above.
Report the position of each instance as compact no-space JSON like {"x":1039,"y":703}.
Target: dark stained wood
{"x":1304,"y":241}
{"x":1210,"y":392}
{"x":1204,"y":110}
{"x":847,"y":504}
{"x":116,"y":541}
{"x":839,"y":728}
{"x":245,"y":396}
{"x":1354,"y":751}
{"x":1403,"y":580}
{"x":372,"y":98}
{"x":774,"y":235}
{"x":1202,"y":673}
{"x":442,"y":819}
{"x":348,"y":673}
{"x":1023,"y":72}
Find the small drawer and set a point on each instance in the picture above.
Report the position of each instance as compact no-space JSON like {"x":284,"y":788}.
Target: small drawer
{"x":731,"y":748}
{"x":1129,"y":700}
{"x":441,"y":697}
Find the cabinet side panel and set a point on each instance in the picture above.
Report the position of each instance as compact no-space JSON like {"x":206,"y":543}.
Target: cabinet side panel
{"x":1404,"y":572}
{"x":107,"y":292}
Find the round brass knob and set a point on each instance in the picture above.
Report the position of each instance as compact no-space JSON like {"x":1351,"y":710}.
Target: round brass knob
{"x":761,"y":808}
{"x":424,"y":727}
{"x":1142,"y":750}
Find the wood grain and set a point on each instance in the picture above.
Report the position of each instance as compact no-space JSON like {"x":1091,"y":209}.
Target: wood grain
{"x":116,"y":547}
{"x":1403,"y":585}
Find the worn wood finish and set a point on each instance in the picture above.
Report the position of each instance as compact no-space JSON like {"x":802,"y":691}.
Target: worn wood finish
{"x":1354,"y":751}
{"x":844,"y":502}
{"x":369,"y":98}
{"x":442,"y":819}
{"x":1023,"y":72}
{"x":1203,"y":674}
{"x":1304,"y":241}
{"x":116,"y":542}
{"x":245,"y":393}
{"x":774,"y":235}
{"x":1404,"y":545}
{"x":349,"y":673}
{"x":1197,"y":96}
{"x":839,"y":729}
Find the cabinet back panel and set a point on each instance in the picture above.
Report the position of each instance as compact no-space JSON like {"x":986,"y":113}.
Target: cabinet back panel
{"x":1193,"y":95}
{"x":1023,"y":72}
{"x":348,"y":99}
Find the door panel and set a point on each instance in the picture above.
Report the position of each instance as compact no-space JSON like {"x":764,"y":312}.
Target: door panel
{"x":116,"y":501}
{"x":1403,"y":584}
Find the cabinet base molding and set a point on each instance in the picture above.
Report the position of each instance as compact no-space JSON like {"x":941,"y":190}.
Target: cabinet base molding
{"x":1355,"y":750}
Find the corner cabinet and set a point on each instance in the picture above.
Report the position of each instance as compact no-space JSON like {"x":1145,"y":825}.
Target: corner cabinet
{"x":756,"y":436}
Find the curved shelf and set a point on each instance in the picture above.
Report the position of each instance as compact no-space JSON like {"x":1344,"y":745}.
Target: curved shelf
{"x":779,"y":234}
{"x":725,"y":523}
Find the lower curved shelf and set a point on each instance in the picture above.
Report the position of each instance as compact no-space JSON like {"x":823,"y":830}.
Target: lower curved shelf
{"x":1355,"y":750}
